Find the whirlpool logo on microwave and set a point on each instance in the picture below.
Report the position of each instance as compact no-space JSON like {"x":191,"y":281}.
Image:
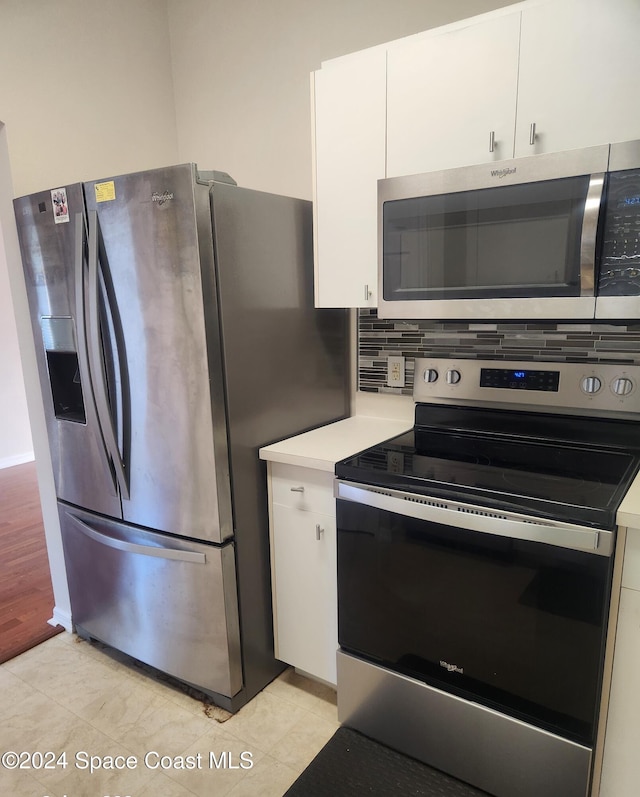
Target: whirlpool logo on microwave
{"x":500,"y":173}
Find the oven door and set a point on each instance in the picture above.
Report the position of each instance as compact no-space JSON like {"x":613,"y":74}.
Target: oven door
{"x":478,"y":604}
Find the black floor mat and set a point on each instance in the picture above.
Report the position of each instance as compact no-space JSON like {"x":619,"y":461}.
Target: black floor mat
{"x":352,"y":765}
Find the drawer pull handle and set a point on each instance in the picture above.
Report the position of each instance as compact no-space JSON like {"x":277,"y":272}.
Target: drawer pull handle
{"x":297,"y":489}
{"x":319,"y":531}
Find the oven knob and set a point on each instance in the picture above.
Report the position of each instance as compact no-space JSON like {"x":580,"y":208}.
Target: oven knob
{"x":591,"y":384}
{"x":622,"y":386}
{"x":431,"y":375}
{"x":453,"y":377}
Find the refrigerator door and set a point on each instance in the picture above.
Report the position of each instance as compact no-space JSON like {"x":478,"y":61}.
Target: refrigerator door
{"x":53,"y":242}
{"x":152,"y":265}
{"x":168,"y":602}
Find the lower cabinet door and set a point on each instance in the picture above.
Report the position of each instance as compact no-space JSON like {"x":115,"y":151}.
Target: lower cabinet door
{"x":305,"y":592}
{"x":621,"y":766}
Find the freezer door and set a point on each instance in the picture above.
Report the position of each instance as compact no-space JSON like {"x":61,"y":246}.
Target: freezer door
{"x":174,"y":430}
{"x":53,"y":242}
{"x":168,"y":602}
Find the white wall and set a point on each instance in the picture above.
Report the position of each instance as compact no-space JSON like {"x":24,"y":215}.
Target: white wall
{"x":85,"y":89}
{"x":85,"y":92}
{"x":16,"y":445}
{"x":241,"y":74}
{"x":15,"y":282}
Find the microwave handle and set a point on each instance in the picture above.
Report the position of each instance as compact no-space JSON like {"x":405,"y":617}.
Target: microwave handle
{"x":588,"y":235}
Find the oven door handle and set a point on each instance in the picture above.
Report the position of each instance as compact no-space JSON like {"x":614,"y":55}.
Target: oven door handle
{"x":477,"y":518}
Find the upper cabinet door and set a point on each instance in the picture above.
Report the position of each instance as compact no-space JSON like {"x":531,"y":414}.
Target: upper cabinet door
{"x":349,"y":132}
{"x":452,"y":97}
{"x":579,"y":67}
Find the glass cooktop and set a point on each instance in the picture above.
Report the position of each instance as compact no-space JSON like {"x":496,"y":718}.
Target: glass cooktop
{"x":548,"y":466}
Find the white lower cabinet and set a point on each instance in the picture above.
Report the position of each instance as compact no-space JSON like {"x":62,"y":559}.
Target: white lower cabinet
{"x":621,"y":763}
{"x":303,"y":561}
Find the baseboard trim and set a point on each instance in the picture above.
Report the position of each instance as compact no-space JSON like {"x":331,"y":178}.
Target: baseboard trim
{"x":18,"y":459}
{"x":61,"y":618}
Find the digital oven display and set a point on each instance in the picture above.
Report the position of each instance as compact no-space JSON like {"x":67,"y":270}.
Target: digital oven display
{"x":519,"y":380}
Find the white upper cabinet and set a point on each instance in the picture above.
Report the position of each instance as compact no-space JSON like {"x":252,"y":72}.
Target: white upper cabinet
{"x":578,"y":80}
{"x":465,"y":94}
{"x":349,"y":138}
{"x":451,"y":97}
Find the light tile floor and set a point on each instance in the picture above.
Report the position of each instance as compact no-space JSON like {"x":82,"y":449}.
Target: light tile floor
{"x":69,"y":696}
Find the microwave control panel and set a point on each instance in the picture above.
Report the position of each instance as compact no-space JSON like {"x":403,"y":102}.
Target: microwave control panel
{"x":620,"y":258}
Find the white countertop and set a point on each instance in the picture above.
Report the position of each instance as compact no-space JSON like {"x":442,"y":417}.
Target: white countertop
{"x":322,"y":448}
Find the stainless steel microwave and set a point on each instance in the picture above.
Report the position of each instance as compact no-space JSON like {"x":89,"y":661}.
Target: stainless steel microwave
{"x":552,"y":236}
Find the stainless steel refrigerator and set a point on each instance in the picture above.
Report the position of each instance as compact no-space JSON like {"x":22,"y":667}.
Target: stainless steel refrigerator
{"x":175,"y":331}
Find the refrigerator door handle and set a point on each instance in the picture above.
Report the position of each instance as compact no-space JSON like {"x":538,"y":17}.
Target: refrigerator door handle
{"x":81,"y":325}
{"x":96,"y":364}
{"x":131,"y":547}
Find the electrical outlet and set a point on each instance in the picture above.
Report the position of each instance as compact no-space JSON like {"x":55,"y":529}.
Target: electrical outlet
{"x":395,"y":371}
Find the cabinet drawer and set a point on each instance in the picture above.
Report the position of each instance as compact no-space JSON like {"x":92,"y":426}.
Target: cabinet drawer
{"x":316,"y":494}
{"x":143,"y":593}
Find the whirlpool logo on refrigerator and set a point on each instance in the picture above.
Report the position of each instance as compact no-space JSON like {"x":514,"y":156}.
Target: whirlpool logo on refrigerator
{"x":162,"y":198}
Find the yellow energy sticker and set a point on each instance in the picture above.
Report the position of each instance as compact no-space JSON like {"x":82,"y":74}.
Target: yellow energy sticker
{"x":105,"y":192}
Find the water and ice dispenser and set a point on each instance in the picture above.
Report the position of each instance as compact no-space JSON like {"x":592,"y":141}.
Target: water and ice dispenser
{"x":64,"y":372}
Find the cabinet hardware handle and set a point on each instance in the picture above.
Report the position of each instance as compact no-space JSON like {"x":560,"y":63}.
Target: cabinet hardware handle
{"x":297,"y":489}
{"x":319,"y":531}
{"x":532,"y":134}
{"x":367,"y":293}
{"x":492,"y":141}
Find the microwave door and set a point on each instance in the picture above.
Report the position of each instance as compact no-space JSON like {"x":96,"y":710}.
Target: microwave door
{"x":532,"y":241}
{"x":516,"y":241}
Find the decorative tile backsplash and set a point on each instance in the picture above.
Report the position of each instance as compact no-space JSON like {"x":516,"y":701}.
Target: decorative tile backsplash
{"x":570,"y":342}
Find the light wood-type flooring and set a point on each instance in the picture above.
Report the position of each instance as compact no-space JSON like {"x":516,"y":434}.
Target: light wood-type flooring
{"x":26,"y":597}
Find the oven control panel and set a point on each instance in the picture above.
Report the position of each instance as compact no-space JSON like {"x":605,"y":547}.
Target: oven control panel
{"x":594,"y":388}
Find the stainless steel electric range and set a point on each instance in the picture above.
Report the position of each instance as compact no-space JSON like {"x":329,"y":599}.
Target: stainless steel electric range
{"x":477,"y":571}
